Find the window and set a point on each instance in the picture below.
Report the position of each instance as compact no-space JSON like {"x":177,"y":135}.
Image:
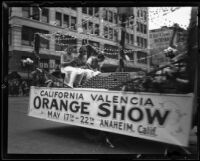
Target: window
{"x":105,"y":15}
{"x":127,"y":38}
{"x":96,"y":12}
{"x":110,"y":33}
{"x":25,"y":12}
{"x":58,"y":19}
{"x":106,"y":32}
{"x":65,"y":20}
{"x":141,"y":29}
{"x":145,"y":15}
{"x":91,"y":11}
{"x":145,"y":29}
{"x":84,"y":26}
{"x":84,"y":10}
{"x":115,"y":18}
{"x":45,"y":15}
{"x":141,"y":13}
{"x":73,"y":23}
{"x":138,"y":26}
{"x":139,"y":41}
{"x":110,"y":16}
{"x":145,"y":43}
{"x":132,"y":39}
{"x":115,"y":35}
{"x":142,"y":42}
{"x":28,"y":37}
{"x":96,"y":29}
{"x":36,"y":13}
{"x":90,"y":27}
{"x":138,"y":13}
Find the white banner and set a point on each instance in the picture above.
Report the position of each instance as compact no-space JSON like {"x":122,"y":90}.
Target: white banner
{"x":158,"y":117}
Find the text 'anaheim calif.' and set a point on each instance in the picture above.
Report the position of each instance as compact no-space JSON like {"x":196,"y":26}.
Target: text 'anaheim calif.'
{"x":111,"y":111}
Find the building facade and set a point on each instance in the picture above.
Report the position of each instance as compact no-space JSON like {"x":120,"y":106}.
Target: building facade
{"x":98,"y":26}
{"x":160,"y":40}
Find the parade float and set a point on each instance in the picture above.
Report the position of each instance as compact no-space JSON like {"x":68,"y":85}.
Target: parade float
{"x":155,"y":105}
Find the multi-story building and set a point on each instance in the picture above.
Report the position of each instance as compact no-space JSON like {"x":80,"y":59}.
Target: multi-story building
{"x":99,"y":27}
{"x":160,"y":40}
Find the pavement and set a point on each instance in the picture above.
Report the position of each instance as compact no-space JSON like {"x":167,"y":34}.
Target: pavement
{"x":32,"y":136}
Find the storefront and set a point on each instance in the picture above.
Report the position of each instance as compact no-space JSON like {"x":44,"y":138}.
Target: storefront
{"x":47,"y":62}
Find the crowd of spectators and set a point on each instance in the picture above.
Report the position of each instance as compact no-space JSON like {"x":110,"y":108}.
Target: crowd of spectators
{"x":18,"y":87}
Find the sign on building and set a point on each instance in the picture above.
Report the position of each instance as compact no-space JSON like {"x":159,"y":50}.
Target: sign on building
{"x":52,"y":63}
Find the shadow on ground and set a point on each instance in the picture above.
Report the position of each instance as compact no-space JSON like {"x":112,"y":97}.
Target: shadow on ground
{"x":104,"y":139}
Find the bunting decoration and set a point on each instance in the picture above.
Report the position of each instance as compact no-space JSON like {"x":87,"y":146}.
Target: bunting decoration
{"x":151,"y":16}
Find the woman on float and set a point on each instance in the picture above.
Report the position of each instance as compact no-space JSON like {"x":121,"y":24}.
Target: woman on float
{"x":81,"y":66}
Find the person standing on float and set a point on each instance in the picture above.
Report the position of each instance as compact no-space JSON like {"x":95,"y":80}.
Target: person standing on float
{"x":71,"y":66}
{"x":66,"y":59}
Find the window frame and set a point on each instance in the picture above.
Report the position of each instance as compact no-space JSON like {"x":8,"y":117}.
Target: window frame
{"x":57,"y":14}
{"x":73,"y":25}
{"x":23,"y":11}
{"x":90,"y":9}
{"x":66,"y":23}
{"x":91,"y":29}
{"x":110,"y":16}
{"x":29,"y":32}
{"x":105,"y":29}
{"x":37,"y":13}
{"x":85,"y":10}
{"x":110,"y":30}
{"x":42,"y":15}
{"x":132,"y":39}
{"x":95,"y":13}
{"x":96,"y":29}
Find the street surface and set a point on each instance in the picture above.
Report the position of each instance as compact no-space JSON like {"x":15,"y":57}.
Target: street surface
{"x":28,"y":135}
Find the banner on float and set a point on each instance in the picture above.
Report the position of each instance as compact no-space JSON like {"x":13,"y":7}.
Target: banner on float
{"x":158,"y":117}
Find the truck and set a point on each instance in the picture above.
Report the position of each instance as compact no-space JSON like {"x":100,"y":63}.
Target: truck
{"x":127,"y":103}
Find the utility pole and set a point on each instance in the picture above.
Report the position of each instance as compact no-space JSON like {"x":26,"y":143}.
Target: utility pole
{"x":123,"y":13}
{"x":122,"y":42}
{"x":36,"y":49}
